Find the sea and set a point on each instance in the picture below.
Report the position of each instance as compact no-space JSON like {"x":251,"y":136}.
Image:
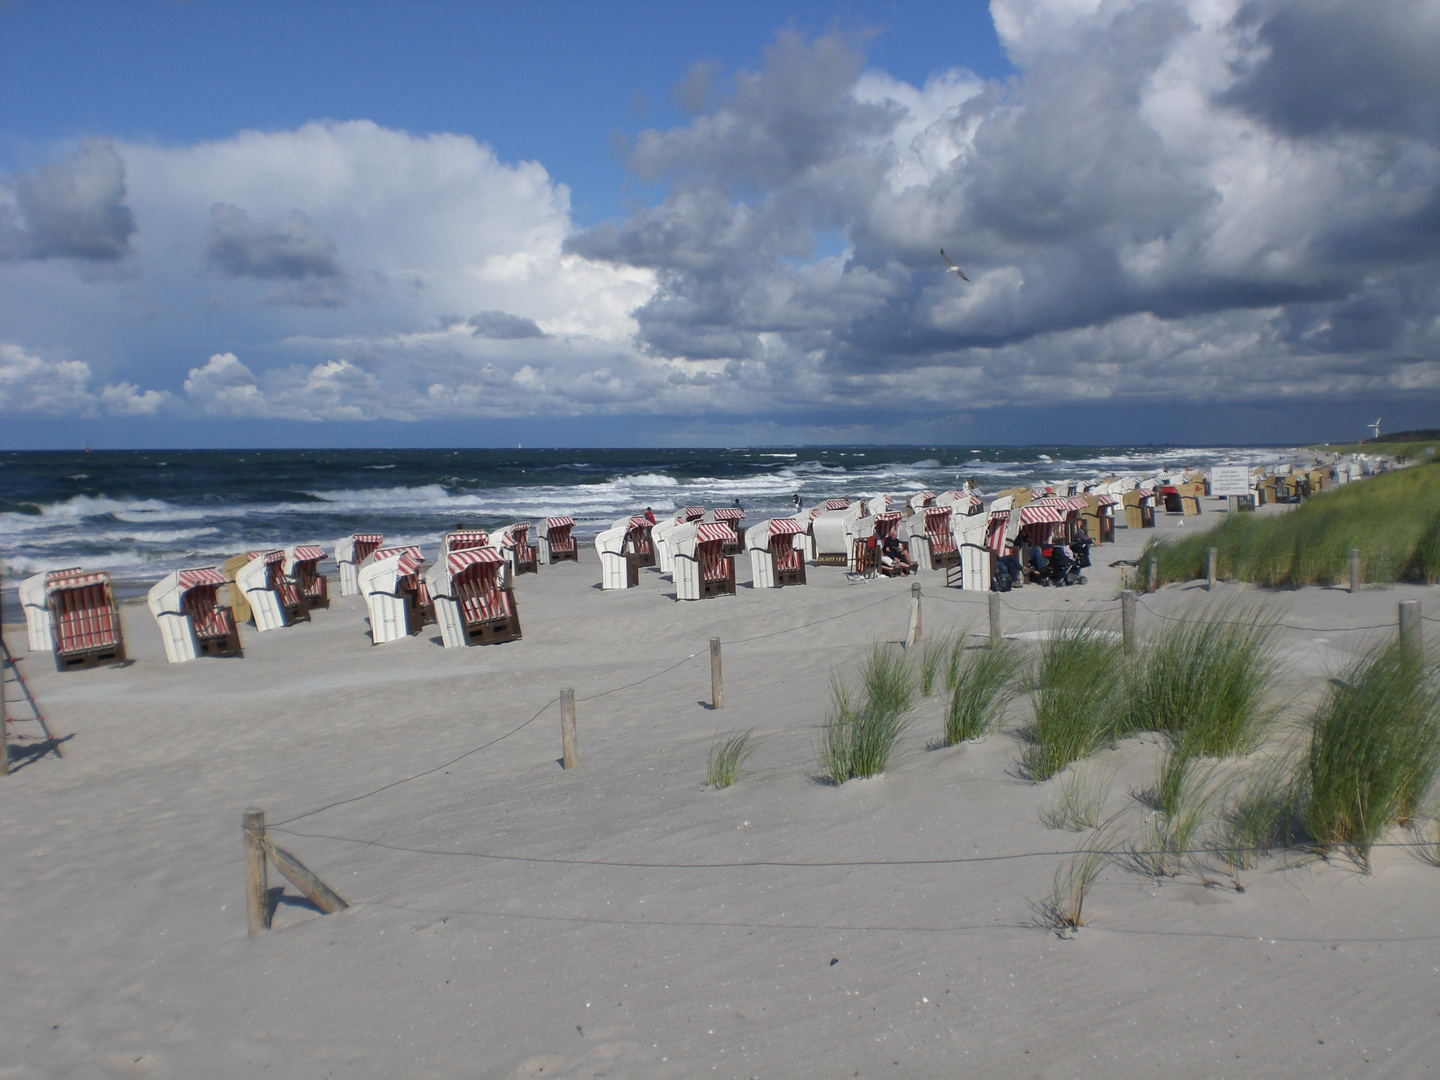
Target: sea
{"x":140,"y":514}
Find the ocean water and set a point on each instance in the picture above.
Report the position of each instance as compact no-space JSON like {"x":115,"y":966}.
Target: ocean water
{"x":140,"y":514}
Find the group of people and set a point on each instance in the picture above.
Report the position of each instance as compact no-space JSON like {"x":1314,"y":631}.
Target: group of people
{"x":1050,"y":564}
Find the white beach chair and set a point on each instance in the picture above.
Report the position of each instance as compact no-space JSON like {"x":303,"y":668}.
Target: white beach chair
{"x":834,"y":530}
{"x":192,"y":621}
{"x":659,"y":533}
{"x":932,"y":540}
{"x":349,"y":554}
{"x":619,"y":569}
{"x":514,"y":544}
{"x":301,"y":566}
{"x":637,"y":538}
{"x":555,"y":543}
{"x":474,"y":603}
{"x":38,"y":628}
{"x":273,"y":598}
{"x":389,"y":581}
{"x":702,"y":569}
{"x":777,"y":553}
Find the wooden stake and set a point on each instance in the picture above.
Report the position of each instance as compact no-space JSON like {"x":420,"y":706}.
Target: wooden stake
{"x":568,"y":757}
{"x":995,"y":635}
{"x":1410,"y":626}
{"x":257,"y":883}
{"x":1154,"y":575}
{"x":299,"y":875}
{"x":912,"y":635}
{"x":717,"y":698}
{"x":1212,"y":563}
{"x":1127,"y":619}
{"x":1354,"y":570}
{"x":4,"y":716}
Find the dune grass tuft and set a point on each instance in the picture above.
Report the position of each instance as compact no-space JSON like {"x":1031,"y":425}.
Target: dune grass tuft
{"x":981,"y":682}
{"x":727,"y":753}
{"x":1311,"y":545}
{"x":1203,"y":681}
{"x":1261,"y":820}
{"x":1374,"y":750}
{"x":1080,"y":803}
{"x":935,"y":653}
{"x":1075,"y":697}
{"x":859,"y":738}
{"x":1064,"y":908}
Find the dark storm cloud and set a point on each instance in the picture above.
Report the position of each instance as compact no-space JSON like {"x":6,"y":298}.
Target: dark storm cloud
{"x":287,"y":249}
{"x":502,"y":326}
{"x":71,"y":211}
{"x":1335,"y":65}
{"x":1110,"y":198}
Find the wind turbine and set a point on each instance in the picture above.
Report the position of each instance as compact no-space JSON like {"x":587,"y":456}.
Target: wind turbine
{"x":1376,"y":426}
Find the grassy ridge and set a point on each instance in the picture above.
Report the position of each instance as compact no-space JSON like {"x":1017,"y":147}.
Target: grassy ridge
{"x":1394,"y":519}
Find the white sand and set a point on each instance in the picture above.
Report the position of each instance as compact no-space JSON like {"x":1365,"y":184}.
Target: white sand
{"x":123,"y":945}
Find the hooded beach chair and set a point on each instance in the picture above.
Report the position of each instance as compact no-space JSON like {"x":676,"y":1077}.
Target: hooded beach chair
{"x":777,"y":553}
{"x":301,"y":566}
{"x":975,"y":536}
{"x":193,"y":623}
{"x":474,"y":603}
{"x":619,"y":568}
{"x":702,"y":569}
{"x":931,"y":538}
{"x":731,"y":515}
{"x":513,"y":542}
{"x":555,"y":544}
{"x":273,"y":598}
{"x":1139,"y":509}
{"x":637,"y":538}
{"x":659,"y":537}
{"x":84,"y":619}
{"x":390,"y":583}
{"x":349,"y":554}
{"x":835,"y":529}
{"x":38,"y":628}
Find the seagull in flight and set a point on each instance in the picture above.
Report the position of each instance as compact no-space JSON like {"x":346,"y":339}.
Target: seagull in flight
{"x":953,"y":268}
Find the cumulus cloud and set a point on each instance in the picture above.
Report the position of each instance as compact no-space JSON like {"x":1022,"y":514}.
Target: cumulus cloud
{"x":72,"y":211}
{"x":32,"y":384}
{"x":503,"y":326}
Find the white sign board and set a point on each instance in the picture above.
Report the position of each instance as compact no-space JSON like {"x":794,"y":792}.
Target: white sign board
{"x":1230,"y":480}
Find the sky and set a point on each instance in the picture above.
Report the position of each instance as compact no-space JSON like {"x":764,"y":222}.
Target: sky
{"x":456,"y":224}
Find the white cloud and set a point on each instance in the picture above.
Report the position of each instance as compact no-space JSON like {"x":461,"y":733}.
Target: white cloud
{"x":32,"y":384}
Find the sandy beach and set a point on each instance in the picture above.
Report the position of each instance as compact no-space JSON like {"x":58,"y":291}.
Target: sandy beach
{"x":511,"y":918}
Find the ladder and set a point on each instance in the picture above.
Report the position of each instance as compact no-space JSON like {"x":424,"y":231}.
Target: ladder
{"x":10,"y":676}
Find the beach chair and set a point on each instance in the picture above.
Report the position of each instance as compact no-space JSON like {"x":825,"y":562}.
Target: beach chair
{"x":702,"y":569}
{"x":619,"y":568}
{"x":193,"y":623}
{"x":474,"y":603}
{"x":637,"y":538}
{"x":920,"y":500}
{"x":349,"y":554}
{"x":731,"y":515}
{"x":834,"y":530}
{"x":38,"y":627}
{"x":555,"y":543}
{"x":301,"y":562}
{"x":659,"y":537}
{"x":513,"y":543}
{"x":975,"y":539}
{"x":691,"y":513}
{"x":390,"y":583}
{"x":84,"y":619}
{"x":273,"y":598}
{"x":777,"y":554}
{"x":1139,"y":509}
{"x":931,"y":538}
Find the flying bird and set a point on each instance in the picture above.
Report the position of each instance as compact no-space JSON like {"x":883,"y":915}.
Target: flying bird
{"x":953,"y":268}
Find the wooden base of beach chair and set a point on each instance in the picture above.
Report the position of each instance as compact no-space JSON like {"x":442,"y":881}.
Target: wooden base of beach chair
{"x":296,"y":613}
{"x":494,"y":631}
{"x":632,"y":569}
{"x":790,"y":577}
{"x":944,"y":560}
{"x":722,"y":587}
{"x":642,"y":558}
{"x":114,"y":654}
{"x":573,"y":555}
{"x":220,"y":646}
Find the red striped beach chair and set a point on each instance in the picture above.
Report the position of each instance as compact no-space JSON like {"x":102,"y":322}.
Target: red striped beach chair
{"x":516,"y":547}
{"x":391,"y":584}
{"x":84,"y":619}
{"x":349,"y":554}
{"x":702,"y":569}
{"x":776,"y":557}
{"x":637,"y":539}
{"x":556,"y":544}
{"x":733,"y":516}
{"x":273,"y":598}
{"x":38,"y":628}
{"x":193,"y":622}
{"x":474,"y":603}
{"x":301,"y":567}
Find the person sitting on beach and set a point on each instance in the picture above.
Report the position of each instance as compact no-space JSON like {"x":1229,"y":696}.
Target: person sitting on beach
{"x":1009,"y":565}
{"x":893,"y":562}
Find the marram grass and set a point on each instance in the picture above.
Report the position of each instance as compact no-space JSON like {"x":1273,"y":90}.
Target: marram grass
{"x":1393,"y":519}
{"x":981,"y":682}
{"x":727,"y":753}
{"x":1076,"y":697}
{"x":860,"y":735}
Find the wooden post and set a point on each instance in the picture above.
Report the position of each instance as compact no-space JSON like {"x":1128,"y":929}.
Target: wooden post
{"x":1410,"y":626}
{"x":257,"y":883}
{"x":315,"y":890}
{"x":4,"y":716}
{"x":912,"y":635}
{"x":1127,"y":619}
{"x":1154,"y":575}
{"x":568,"y":758}
{"x":1212,"y":563}
{"x":995,"y":635}
{"x":717,"y":697}
{"x":1354,"y":570}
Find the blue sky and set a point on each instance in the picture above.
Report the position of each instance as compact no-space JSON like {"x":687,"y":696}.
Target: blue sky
{"x":351,"y":224}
